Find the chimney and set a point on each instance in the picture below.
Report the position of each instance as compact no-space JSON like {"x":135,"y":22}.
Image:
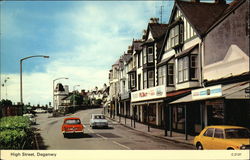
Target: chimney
{"x":154,"y":20}
{"x":220,"y":1}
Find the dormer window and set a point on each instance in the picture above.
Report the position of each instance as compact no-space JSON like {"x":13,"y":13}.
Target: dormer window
{"x":176,"y":35}
{"x":150,"y":54}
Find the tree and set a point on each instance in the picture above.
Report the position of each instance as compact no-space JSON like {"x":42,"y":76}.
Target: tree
{"x":5,"y":102}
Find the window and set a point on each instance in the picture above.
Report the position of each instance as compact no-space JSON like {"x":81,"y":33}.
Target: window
{"x":218,"y":133}
{"x":183,"y":69}
{"x":150,"y":54}
{"x":139,"y":59}
{"x":132,"y":80}
{"x":177,"y":35}
{"x":194,"y":67}
{"x":170,"y":74}
{"x":150,"y":79}
{"x":144,"y":79}
{"x":209,"y":132}
{"x":134,"y":60}
{"x":139,"y":81}
{"x":144,"y":55}
{"x":123,"y":86}
{"x":161,"y":75}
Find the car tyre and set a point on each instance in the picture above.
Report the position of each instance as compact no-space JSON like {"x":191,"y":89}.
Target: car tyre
{"x":199,"y":146}
{"x":64,"y":135}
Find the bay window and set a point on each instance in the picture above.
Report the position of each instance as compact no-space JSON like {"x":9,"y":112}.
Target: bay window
{"x":176,"y":35}
{"x":188,"y":68}
{"x":194,"y":67}
{"x":161,"y":75}
{"x":170,"y":74}
{"x":150,"y":78}
{"x":144,"y":80}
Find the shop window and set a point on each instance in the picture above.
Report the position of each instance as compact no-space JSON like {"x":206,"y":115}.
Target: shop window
{"x":215,"y":112}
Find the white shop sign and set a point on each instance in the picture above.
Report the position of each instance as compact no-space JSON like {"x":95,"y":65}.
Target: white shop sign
{"x":148,"y":94}
{"x":208,"y":92}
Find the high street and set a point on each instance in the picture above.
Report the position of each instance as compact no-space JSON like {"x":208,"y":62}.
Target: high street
{"x":116,"y":137}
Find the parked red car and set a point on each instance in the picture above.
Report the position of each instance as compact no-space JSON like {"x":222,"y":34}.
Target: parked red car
{"x":72,"y":126}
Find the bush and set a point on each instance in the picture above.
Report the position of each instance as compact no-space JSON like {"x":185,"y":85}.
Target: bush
{"x":15,"y":133}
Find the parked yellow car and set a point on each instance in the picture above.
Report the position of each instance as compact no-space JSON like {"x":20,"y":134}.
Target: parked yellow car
{"x":223,"y":137}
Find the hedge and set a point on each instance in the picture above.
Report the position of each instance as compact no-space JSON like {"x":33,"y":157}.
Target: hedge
{"x":15,"y":133}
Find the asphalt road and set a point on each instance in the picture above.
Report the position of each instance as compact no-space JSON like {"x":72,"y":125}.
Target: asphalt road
{"x":116,"y":137}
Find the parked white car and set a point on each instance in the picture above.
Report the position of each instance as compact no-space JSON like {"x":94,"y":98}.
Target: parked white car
{"x":31,"y":118}
{"x":98,"y":120}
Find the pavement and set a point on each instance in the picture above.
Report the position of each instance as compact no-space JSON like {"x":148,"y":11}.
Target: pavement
{"x":160,"y":133}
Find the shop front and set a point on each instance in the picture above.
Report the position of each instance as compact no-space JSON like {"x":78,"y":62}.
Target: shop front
{"x":215,"y":105}
{"x":148,"y":105}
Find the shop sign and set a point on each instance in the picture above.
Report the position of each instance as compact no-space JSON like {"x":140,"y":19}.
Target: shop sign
{"x":150,"y":93}
{"x":208,"y":92}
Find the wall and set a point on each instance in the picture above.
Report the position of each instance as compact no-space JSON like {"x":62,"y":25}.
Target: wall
{"x":231,"y":31}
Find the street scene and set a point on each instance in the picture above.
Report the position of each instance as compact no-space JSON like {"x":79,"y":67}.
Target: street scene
{"x":115,"y":137}
{"x":170,"y":75}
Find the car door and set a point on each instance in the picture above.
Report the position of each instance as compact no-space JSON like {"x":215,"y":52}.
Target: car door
{"x":207,"y":139}
{"x":219,"y":139}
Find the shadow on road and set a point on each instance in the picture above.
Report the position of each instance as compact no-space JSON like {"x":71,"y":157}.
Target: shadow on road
{"x":77,"y":136}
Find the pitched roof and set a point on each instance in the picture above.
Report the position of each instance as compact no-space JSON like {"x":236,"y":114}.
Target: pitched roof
{"x":137,"y":45}
{"x":157,"y":29}
{"x":201,"y":15}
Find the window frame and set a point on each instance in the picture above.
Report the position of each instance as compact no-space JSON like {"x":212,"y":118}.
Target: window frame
{"x":150,"y":54}
{"x":151,"y":79}
{"x":145,"y":75}
{"x":170,"y":75}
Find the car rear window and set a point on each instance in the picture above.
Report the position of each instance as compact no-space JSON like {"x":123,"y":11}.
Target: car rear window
{"x":72,"y":121}
{"x":237,"y":133}
{"x":99,"y":117}
{"x":209,"y":132}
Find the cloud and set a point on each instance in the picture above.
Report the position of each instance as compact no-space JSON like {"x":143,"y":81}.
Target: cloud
{"x":87,"y":39}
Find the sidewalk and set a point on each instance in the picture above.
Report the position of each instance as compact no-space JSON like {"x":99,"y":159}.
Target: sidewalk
{"x":160,"y":133}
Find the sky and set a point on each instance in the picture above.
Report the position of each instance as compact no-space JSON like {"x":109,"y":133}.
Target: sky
{"x":82,"y":38}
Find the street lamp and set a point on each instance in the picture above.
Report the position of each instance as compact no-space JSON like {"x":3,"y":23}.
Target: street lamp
{"x":21,"y":61}
{"x":5,"y":85}
{"x":54,"y":87}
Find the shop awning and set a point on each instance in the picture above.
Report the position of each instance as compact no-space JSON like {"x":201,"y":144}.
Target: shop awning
{"x":146,"y":102}
{"x":230,"y":91}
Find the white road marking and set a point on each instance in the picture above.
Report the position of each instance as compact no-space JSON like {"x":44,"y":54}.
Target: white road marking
{"x":121,"y":145}
{"x":101,"y":136}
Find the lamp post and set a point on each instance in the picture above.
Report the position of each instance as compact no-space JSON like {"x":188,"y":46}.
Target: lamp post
{"x":21,"y":61}
{"x":54,"y":87}
{"x":5,"y":85}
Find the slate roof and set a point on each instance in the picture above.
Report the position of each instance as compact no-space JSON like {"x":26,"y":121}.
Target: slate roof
{"x":137,"y":45}
{"x":201,"y":15}
{"x":157,"y":29}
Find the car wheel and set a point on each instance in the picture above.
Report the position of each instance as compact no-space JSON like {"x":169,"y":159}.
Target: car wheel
{"x":230,"y":148}
{"x":199,"y":146}
{"x":64,"y":135}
